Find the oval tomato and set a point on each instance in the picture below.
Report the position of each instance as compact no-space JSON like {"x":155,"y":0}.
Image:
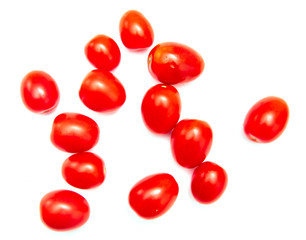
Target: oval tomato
{"x":173,"y":63}
{"x":39,"y":92}
{"x":102,"y":91}
{"x":103,"y":52}
{"x":135,"y":30}
{"x":161,"y":108}
{"x":191,"y":141}
{"x":266,"y":120}
{"x":64,"y":210}
{"x":84,"y":170}
{"x":74,"y":132}
{"x":154,"y":195}
{"x":208,"y":183}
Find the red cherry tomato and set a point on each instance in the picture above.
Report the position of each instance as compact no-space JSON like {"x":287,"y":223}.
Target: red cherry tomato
{"x":64,"y":210}
{"x":154,"y":195}
{"x":191,"y":141}
{"x":73,"y":132}
{"x":161,"y":108}
{"x":173,"y":63}
{"x":135,"y":30}
{"x":102,"y":91}
{"x":103,"y":52}
{"x":208,"y":182}
{"x":266,"y":120}
{"x":39,"y":92}
{"x":84,"y":170}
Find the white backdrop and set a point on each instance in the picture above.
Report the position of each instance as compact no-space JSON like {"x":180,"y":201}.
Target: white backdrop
{"x":252,"y":49}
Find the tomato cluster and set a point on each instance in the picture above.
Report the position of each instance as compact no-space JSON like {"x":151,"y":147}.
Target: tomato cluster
{"x":190,"y":139}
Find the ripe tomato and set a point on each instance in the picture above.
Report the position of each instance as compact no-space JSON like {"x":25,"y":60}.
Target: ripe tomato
{"x":208,"y":182}
{"x":161,"y":108}
{"x":103,"y":52}
{"x":266,"y":120}
{"x":135,"y":30}
{"x":173,"y":63}
{"x":191,"y":141}
{"x":39,"y":92}
{"x":153,"y":196}
{"x":102,"y":91}
{"x":84,"y":170}
{"x":64,"y":210}
{"x":74,"y":132}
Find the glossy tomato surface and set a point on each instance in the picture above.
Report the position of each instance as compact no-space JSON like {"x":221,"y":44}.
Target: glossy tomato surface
{"x":173,"y":63}
{"x":74,"y":132}
{"x":103,"y":52}
{"x":208,"y":182}
{"x":39,"y":92}
{"x":84,"y":170}
{"x":135,"y":30}
{"x":64,"y":210}
{"x":102,"y":91}
{"x":154,"y":195}
{"x":266,"y":120}
{"x":191,"y":141}
{"x":161,"y":108}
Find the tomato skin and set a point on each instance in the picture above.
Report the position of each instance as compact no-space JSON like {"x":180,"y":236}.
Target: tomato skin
{"x":39,"y":92}
{"x":154,"y":195}
{"x":101,"y":91}
{"x":135,"y":30}
{"x":161,"y":108}
{"x":84,"y":170}
{"x":208,"y":182}
{"x":191,"y":141}
{"x":266,"y":120}
{"x":64,"y":210}
{"x":103,"y":52}
{"x":74,"y":132}
{"x":173,"y":63}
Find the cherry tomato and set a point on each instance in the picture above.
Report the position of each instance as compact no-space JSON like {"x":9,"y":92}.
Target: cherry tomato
{"x":266,"y":120}
{"x":161,"y":108}
{"x":154,"y":195}
{"x":135,"y":30}
{"x":64,"y":210}
{"x":103,"y":52}
{"x":84,"y":170}
{"x":173,"y":63}
{"x":39,"y":92}
{"x":74,"y":132}
{"x":191,"y":141}
{"x":102,"y":91}
{"x":208,"y":182}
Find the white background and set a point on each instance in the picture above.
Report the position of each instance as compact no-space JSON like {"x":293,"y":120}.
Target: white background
{"x":252,"y":49}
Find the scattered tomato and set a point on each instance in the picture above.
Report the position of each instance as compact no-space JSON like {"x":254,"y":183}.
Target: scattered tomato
{"x":154,"y":195}
{"x":74,"y":132}
{"x":161,"y":108}
{"x":191,"y":141}
{"x":266,"y":120}
{"x":64,"y":210}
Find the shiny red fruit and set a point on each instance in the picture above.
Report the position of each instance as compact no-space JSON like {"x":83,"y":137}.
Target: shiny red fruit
{"x":266,"y":120}
{"x":103,"y":52}
{"x":74,"y":132}
{"x":191,"y":141}
{"x":64,"y":210}
{"x":84,"y":170}
{"x":39,"y":92}
{"x":209,"y":181}
{"x":154,"y":195}
{"x":173,"y":63}
{"x":102,"y":91}
{"x":161,"y":108}
{"x":135,"y":30}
